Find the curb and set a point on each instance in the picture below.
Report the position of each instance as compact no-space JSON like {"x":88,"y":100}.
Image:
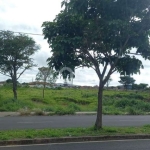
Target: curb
{"x":85,"y":113}
{"x":15,"y":114}
{"x":72,"y":139}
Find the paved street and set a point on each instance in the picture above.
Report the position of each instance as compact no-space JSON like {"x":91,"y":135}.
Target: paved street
{"x":41,"y":122}
{"x":105,"y":145}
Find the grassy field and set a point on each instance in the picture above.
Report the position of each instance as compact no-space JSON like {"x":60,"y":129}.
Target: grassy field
{"x":68,"y":101}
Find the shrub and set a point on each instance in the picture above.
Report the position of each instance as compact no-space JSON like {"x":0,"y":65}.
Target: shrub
{"x":63,"y":111}
{"x":74,"y":107}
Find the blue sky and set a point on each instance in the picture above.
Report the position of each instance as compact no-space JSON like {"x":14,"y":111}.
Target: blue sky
{"x":28,"y":16}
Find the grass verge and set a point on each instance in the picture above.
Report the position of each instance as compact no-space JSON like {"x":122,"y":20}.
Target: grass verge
{"x":72,"y":132}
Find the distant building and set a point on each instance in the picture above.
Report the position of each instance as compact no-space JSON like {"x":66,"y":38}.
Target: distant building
{"x":2,"y":83}
{"x":39,"y":84}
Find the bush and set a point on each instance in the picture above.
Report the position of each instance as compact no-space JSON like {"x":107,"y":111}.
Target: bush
{"x":63,"y":111}
{"x":74,"y":107}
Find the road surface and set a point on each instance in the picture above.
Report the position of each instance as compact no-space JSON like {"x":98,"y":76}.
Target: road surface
{"x":41,"y":122}
{"x":105,"y":145}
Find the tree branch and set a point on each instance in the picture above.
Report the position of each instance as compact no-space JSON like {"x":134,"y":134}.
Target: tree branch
{"x":22,"y":72}
{"x":105,"y":68}
{"x":95,"y":63}
{"x":4,"y":74}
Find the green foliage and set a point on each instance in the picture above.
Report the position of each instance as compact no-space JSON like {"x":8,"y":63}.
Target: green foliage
{"x":99,"y":34}
{"x":108,"y":28}
{"x":140,"y":86}
{"x":126,"y":80}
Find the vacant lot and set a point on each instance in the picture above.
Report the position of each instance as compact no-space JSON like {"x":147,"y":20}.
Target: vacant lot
{"x":68,"y":101}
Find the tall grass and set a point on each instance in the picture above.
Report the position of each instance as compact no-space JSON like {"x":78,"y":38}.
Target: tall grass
{"x":68,"y":101}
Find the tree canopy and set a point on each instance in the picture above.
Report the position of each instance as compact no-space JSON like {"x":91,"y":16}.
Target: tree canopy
{"x":140,"y":86}
{"x":45,"y":74}
{"x":15,"y":55}
{"x":100,"y":34}
{"x":126,"y":81}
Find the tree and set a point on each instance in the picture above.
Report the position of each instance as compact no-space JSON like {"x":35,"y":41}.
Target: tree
{"x":100,"y":34}
{"x":108,"y":82}
{"x":126,"y":81}
{"x":140,"y":86}
{"x":15,"y":52}
{"x":9,"y":81}
{"x":45,"y":75}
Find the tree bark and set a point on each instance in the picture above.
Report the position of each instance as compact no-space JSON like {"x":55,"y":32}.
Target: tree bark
{"x":43,"y":92}
{"x":14,"y":87}
{"x":98,"y":123}
{"x":14,"y":81}
{"x":44,"y":89}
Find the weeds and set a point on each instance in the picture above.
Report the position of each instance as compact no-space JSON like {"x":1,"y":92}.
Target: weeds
{"x":68,"y":101}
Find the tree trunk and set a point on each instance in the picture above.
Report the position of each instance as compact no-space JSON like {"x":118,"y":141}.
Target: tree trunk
{"x":98,"y":123}
{"x":14,"y":87}
{"x":43,"y":90}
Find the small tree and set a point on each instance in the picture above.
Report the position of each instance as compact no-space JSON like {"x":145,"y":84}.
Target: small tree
{"x":45,"y":75}
{"x":15,"y":52}
{"x":126,"y":81}
{"x":108,"y":82}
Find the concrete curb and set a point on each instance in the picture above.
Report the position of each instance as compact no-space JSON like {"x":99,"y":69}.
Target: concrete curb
{"x":14,"y":114}
{"x":72,"y":139}
{"x":85,"y":113}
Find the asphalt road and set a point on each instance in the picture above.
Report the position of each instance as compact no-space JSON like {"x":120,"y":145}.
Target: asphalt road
{"x":105,"y":145}
{"x":41,"y":122}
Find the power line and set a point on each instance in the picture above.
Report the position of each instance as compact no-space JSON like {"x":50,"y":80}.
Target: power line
{"x":25,"y":33}
{"x":43,"y":35}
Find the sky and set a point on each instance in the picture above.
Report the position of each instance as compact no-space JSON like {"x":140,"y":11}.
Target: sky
{"x":27,"y":16}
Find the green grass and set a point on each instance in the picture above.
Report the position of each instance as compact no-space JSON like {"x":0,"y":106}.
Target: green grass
{"x":68,"y":101}
{"x":71,"y":132}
